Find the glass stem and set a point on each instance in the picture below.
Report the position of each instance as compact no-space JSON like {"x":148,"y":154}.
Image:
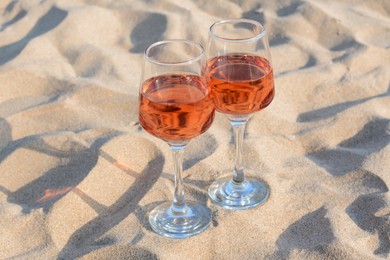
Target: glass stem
{"x":178,"y":204}
{"x":239,"y":131}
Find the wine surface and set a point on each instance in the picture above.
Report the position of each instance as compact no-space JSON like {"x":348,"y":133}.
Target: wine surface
{"x":176,"y":107}
{"x":240,"y":83}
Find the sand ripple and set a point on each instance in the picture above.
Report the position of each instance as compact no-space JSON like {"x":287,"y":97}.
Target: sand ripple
{"x":78,"y":175}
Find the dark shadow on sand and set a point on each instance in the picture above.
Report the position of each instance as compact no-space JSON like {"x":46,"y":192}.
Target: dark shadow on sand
{"x":17,"y":18}
{"x":47,"y":189}
{"x":288,"y":10}
{"x":311,"y":232}
{"x":150,"y":30}
{"x":86,"y":239}
{"x":5,"y":133}
{"x":362,"y":212}
{"x":46,"y":23}
{"x":193,"y":155}
{"x":79,"y":160}
{"x":10,"y":6}
{"x":329,"y":111}
{"x":255,"y":14}
{"x":350,"y":154}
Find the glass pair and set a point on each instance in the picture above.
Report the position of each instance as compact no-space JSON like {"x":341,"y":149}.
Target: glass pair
{"x":181,"y":87}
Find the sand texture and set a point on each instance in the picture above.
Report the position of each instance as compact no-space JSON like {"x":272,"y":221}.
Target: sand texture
{"x":78,"y":175}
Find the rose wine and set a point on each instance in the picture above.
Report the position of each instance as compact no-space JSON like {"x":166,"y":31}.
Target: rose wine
{"x":176,"y":107}
{"x":240,"y":83}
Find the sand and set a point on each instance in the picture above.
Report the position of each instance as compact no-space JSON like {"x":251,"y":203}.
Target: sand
{"x":78,"y":175}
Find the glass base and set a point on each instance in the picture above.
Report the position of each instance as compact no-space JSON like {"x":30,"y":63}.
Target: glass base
{"x":191,"y":221}
{"x":248,"y":194}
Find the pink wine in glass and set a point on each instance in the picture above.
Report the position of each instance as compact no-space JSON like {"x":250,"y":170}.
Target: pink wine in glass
{"x":239,"y":74}
{"x":240,"y":83}
{"x":175,"y":108}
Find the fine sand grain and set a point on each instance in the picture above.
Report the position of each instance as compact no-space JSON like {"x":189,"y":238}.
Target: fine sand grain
{"x":78,"y":175}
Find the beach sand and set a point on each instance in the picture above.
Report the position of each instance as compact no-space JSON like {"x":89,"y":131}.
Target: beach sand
{"x":78,"y":175}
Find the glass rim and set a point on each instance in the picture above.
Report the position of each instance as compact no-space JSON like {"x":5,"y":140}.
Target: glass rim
{"x":259,"y":35}
{"x":184,"y":62}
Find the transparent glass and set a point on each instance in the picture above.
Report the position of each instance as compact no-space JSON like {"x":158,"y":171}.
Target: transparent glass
{"x":239,"y":73}
{"x":175,"y":105}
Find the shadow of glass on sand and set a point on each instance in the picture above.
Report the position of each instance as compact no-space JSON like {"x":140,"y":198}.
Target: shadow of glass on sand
{"x":52,"y":185}
{"x":86,"y":239}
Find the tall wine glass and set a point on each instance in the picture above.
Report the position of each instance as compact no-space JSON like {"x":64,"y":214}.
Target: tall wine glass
{"x":175,"y":106}
{"x":239,"y":73}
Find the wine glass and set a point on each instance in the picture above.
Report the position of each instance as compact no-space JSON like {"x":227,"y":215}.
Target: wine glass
{"x":240,"y":75}
{"x":175,"y":106}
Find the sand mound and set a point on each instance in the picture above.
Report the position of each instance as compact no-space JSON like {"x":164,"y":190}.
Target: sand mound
{"x":78,"y":175}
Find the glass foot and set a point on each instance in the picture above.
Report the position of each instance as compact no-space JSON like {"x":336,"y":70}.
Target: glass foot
{"x":248,"y":194}
{"x":191,"y":221}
